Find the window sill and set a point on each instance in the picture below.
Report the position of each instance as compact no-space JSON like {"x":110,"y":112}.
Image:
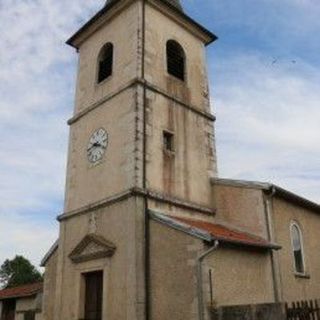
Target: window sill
{"x":169,"y":153}
{"x":104,"y":81}
{"x":179,"y":80}
{"x":302,"y":275}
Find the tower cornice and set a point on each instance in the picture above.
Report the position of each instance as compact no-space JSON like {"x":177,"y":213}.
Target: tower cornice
{"x":139,"y":192}
{"x":150,"y":87}
{"x":112,"y":8}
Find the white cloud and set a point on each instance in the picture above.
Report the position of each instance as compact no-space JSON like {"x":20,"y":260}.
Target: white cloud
{"x":23,"y":236}
{"x":37,"y":87}
{"x":268,"y":121}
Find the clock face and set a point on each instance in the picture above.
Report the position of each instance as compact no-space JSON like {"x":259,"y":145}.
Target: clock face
{"x":97,"y":145}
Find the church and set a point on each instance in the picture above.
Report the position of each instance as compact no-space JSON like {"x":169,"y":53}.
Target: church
{"x":149,"y":230}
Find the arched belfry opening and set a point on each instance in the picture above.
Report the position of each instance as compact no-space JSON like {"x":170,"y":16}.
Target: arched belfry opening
{"x":176,"y":60}
{"x":105,"y":62}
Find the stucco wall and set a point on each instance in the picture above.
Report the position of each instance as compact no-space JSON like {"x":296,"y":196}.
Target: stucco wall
{"x":240,"y":207}
{"x":20,"y":316}
{"x":49,"y":287}
{"x":29,"y":304}
{"x":194,"y":90}
{"x":122,"y":31}
{"x":184,"y":173}
{"x":194,"y":159}
{"x":121,"y":169}
{"x":238,"y":276}
{"x":172,"y":276}
{"x":25,"y":304}
{"x":86,"y":182}
{"x":293,"y":287}
{"x":122,"y":224}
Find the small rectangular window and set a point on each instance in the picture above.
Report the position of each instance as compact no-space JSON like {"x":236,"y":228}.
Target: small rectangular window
{"x":29,"y":315}
{"x":168,"y":141}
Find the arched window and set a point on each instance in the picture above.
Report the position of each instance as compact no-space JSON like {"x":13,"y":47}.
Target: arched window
{"x":297,"y":248}
{"x":175,"y":60}
{"x":105,"y":61}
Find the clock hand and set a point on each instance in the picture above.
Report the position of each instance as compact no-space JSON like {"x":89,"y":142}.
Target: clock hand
{"x":91,"y":147}
{"x":96,"y":144}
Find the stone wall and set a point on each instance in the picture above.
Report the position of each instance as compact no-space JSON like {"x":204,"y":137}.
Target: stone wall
{"x":270,"y":311}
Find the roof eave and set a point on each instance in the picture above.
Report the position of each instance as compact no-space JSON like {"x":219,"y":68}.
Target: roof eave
{"x":294,"y":198}
{"x":262,"y":246}
{"x":211,"y":37}
{"x":20,"y":296}
{"x":48,"y":255}
{"x":270,"y":189}
{"x":205,"y":236}
{"x":99,"y":14}
{"x":195,"y":232}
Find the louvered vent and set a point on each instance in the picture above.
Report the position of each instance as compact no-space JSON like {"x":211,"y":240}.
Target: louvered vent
{"x":175,"y":60}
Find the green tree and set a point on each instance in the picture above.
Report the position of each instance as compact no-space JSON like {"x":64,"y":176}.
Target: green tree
{"x":18,"y":271}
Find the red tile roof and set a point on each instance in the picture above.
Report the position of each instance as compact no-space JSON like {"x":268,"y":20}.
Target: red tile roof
{"x":225,"y":234}
{"x":21,"y":291}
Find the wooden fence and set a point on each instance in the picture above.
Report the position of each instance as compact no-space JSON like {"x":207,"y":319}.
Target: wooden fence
{"x":303,"y":310}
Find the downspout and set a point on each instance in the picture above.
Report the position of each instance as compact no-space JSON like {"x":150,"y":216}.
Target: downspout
{"x":200,"y":259}
{"x":268,"y":210}
{"x":144,"y":172}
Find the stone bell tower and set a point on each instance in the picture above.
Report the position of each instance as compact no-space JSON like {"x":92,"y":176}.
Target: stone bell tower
{"x":141,"y":138}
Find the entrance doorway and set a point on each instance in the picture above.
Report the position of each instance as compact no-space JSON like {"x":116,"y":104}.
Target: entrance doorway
{"x":93,"y":295}
{"x":8,"y":309}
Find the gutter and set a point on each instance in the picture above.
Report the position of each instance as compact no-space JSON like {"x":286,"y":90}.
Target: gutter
{"x":201,"y":307}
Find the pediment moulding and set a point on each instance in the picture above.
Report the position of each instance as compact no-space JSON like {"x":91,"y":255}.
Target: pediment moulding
{"x":92,"y":247}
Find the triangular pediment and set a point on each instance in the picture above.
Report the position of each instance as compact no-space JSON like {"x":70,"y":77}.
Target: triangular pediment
{"x":92,"y":247}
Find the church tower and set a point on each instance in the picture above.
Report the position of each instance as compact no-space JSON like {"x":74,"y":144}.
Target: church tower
{"x":141,"y":140}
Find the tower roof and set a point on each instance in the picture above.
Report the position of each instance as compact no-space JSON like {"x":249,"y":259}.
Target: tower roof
{"x":175,"y":3}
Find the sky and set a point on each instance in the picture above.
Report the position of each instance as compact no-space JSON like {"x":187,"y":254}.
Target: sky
{"x":265,"y":87}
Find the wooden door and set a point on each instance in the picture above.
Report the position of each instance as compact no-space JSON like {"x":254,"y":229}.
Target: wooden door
{"x":9,"y":309}
{"x":93,"y":295}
